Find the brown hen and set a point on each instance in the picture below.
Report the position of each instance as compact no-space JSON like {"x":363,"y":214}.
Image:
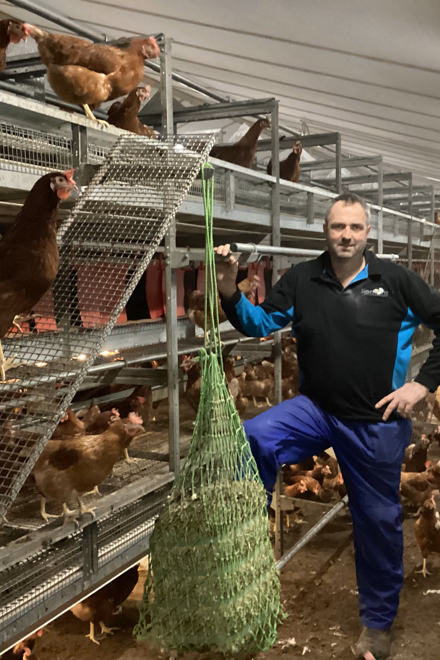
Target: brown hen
{"x":194,"y":383}
{"x":290,"y":169}
{"x":100,"y":606}
{"x":22,"y":649}
{"x":427,"y":531}
{"x":70,"y":426}
{"x":416,"y":455}
{"x":88,"y":74}
{"x":68,"y":469}
{"x":10,"y":32}
{"x":124,"y":114}
{"x":196,"y":303}
{"x":242,"y":152}
{"x":29,"y":252}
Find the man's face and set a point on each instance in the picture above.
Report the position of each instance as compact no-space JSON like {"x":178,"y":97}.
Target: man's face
{"x":346,"y":230}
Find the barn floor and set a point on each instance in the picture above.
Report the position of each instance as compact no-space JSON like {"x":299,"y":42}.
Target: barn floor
{"x":318,"y":595}
{"x":318,"y":590}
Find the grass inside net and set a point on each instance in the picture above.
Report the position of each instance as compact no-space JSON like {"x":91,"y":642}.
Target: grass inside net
{"x":212,"y":583}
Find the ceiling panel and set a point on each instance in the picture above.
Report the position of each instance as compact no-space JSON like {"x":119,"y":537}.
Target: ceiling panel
{"x":368,"y":69}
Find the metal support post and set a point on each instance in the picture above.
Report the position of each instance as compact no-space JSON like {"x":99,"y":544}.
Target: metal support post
{"x":380,"y":204}
{"x":310,"y":208}
{"x":338,"y":165}
{"x":172,"y":351}
{"x":276,"y":241}
{"x":166,"y":88}
{"x":90,"y":553}
{"x":432,"y":219}
{"x":230,"y":190}
{"x":279,"y":518}
{"x":166,"y":94}
{"x":79,"y":147}
{"x":410,"y":223}
{"x":276,"y":236}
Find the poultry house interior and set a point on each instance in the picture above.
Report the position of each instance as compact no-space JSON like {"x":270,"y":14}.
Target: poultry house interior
{"x":107,"y":114}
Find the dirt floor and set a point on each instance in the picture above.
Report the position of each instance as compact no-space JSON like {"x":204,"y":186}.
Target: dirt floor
{"x":318,"y":592}
{"x":319,"y":596}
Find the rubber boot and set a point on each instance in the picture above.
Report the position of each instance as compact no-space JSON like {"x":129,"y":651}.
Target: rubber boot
{"x":373,"y":644}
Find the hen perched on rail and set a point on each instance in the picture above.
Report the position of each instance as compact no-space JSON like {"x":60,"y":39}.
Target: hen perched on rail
{"x":290,"y":169}
{"x":67,"y":469}
{"x":124,"y":114}
{"x":88,"y":74}
{"x":242,"y":152}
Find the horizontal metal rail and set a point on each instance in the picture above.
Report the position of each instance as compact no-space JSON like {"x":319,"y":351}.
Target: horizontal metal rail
{"x":307,"y":141}
{"x":252,"y":248}
{"x":311,"y":533}
{"x":59,"y":19}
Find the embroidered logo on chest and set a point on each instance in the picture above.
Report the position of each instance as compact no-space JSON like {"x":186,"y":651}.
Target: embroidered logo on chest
{"x":381,"y":293}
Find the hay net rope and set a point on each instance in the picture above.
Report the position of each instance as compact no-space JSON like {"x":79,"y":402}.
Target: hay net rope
{"x":212,"y":583}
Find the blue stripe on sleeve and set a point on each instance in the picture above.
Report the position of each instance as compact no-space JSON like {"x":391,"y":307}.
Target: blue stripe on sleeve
{"x":404,"y":347}
{"x":257,"y":322}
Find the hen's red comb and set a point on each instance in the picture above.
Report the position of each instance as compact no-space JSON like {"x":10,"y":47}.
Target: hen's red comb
{"x":134,"y":418}
{"x":69,"y":174}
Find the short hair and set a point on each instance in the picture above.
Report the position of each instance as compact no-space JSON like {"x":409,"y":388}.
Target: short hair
{"x":349,"y":199}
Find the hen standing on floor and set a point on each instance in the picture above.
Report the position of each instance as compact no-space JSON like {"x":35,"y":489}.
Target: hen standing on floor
{"x":354,"y":318}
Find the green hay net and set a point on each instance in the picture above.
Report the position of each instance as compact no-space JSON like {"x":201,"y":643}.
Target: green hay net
{"x":212,"y":583}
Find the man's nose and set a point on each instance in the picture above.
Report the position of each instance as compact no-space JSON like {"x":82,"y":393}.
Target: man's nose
{"x":346,"y":234}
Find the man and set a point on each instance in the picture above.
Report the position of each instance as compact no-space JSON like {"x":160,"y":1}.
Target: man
{"x":354,"y":318}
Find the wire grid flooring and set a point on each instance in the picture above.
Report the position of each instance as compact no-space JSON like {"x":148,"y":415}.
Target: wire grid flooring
{"x":105,"y":245}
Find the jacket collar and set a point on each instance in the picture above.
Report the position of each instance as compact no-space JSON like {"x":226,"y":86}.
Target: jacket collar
{"x":322,"y":265}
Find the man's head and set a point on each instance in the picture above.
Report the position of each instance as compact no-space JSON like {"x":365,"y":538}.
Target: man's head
{"x":346,"y":226}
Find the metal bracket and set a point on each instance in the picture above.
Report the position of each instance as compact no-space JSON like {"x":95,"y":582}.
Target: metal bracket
{"x":230,"y":190}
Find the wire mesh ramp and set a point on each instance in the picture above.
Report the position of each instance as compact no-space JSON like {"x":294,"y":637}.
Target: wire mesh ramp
{"x":105,"y":245}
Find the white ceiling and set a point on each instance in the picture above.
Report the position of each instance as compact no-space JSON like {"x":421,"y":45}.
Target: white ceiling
{"x":370,"y":70}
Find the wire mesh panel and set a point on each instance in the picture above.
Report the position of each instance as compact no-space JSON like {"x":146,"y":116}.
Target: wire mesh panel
{"x":96,"y":153}
{"x":105,"y":246}
{"x":34,"y":148}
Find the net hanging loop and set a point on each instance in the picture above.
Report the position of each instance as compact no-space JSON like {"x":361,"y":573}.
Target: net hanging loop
{"x":212,"y":332}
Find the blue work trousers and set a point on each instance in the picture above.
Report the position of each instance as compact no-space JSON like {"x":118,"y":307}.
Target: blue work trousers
{"x":370,"y":457}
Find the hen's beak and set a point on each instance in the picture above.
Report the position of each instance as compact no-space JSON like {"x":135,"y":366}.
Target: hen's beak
{"x":144,"y":93}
